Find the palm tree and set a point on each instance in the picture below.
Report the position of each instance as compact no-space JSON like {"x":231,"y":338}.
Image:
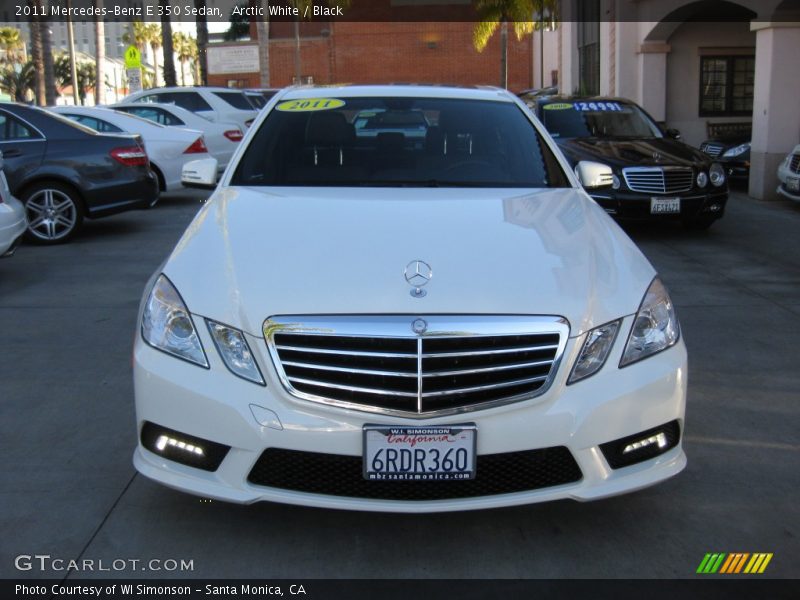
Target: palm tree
{"x":262,"y":27}
{"x":185,"y":50}
{"x":17,"y":81}
{"x":154,"y":39}
{"x":37,"y":58}
{"x":201,"y":25}
{"x":86,"y":75}
{"x":494,"y":14}
{"x":166,"y":42}
{"x":100,"y":55}
{"x":11,"y":44}
{"x":138,"y":35}
{"x":47,"y":53}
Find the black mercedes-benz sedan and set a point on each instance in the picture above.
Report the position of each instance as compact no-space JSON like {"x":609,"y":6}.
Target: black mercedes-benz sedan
{"x":64,"y":172}
{"x":653,"y":174}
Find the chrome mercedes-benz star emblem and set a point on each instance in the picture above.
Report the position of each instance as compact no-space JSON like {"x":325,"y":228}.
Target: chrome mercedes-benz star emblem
{"x":656,"y":156}
{"x":418,"y":273}
{"x":419,"y":326}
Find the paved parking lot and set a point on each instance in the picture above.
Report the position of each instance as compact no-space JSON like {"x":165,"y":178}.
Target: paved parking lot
{"x":68,"y":488}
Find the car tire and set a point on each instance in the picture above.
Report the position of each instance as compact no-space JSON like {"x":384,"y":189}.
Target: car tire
{"x":54,"y":212}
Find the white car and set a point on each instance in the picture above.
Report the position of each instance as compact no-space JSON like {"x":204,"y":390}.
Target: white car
{"x":222,"y":139}
{"x":12,"y":217}
{"x":218,"y":104}
{"x":789,"y":175}
{"x":168,"y":148}
{"x":393,"y":325}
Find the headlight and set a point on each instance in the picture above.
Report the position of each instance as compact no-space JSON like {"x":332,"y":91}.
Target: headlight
{"x":235,"y":351}
{"x":655,"y":327}
{"x":167,"y":325}
{"x":595,"y":351}
{"x":702,"y":179}
{"x":717,"y":174}
{"x":737,"y":150}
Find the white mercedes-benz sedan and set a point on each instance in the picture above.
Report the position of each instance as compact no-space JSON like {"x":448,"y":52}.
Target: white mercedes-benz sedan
{"x":411,"y":323}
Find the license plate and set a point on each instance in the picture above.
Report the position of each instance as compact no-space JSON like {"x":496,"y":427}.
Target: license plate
{"x":665,"y":206}
{"x":443,"y":453}
{"x":793,"y":185}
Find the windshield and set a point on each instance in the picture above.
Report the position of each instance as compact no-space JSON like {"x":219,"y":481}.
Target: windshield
{"x":389,"y":141}
{"x":598,"y":119}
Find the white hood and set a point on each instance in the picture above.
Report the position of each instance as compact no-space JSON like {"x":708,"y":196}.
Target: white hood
{"x":253,"y":253}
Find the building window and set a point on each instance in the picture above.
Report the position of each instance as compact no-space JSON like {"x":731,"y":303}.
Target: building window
{"x":726,"y":86}
{"x":589,"y":47}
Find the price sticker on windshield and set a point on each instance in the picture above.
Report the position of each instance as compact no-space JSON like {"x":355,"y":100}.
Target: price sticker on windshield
{"x":599,"y":106}
{"x":309,"y":104}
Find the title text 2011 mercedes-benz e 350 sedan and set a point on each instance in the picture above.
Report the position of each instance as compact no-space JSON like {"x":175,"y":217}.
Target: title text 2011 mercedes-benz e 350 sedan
{"x":365,"y":319}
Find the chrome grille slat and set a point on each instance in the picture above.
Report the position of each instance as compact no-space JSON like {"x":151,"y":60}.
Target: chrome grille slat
{"x":351,"y":388}
{"x":461,"y":363}
{"x":794,"y":165}
{"x":487,"y":369}
{"x":479,"y":388}
{"x":659,"y":180}
{"x":713,"y":150}
{"x":488,"y":352}
{"x":292,"y":363}
{"x":346,"y":352}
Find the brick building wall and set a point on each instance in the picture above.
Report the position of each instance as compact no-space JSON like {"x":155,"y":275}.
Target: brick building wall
{"x":391,"y":51}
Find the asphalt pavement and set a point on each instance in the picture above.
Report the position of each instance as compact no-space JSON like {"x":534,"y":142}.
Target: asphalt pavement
{"x":68,"y":488}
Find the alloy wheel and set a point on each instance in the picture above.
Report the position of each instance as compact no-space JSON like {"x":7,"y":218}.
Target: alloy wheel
{"x":52,"y":214}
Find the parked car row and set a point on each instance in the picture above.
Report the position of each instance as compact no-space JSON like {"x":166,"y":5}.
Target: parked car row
{"x":645,"y":172}
{"x":69,"y":163}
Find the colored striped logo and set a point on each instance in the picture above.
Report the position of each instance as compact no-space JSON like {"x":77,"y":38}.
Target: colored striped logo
{"x":735,"y":562}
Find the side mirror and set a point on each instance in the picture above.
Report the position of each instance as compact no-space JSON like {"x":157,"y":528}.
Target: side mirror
{"x":673,"y":133}
{"x":593,"y":174}
{"x":201,"y":174}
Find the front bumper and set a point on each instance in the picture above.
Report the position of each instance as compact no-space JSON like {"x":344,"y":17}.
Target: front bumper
{"x":12,"y":225}
{"x":737,"y":169}
{"x":627,"y":205}
{"x":215,"y":405}
{"x":784,"y":175}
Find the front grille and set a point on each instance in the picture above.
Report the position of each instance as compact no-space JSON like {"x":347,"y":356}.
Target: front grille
{"x":713,"y":150}
{"x":379,"y":364}
{"x":337,"y":475}
{"x":794,"y":165}
{"x":659,"y":180}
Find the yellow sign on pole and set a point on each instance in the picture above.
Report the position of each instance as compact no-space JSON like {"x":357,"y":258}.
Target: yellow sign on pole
{"x":133,"y":58}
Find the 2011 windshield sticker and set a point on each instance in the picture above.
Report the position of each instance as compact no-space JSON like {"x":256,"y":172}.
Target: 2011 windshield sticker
{"x":309,"y":104}
{"x":599,"y":106}
{"x":558,"y":106}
